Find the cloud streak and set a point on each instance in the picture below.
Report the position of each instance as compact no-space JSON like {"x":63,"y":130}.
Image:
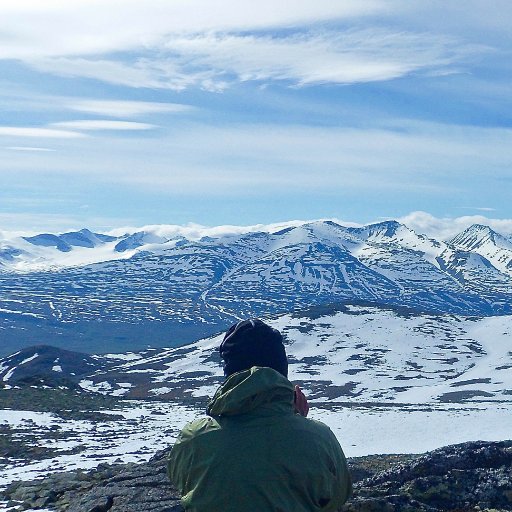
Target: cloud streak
{"x":55,"y":28}
{"x":427,"y":157}
{"x":122,"y":108}
{"x":212,"y":61}
{"x":36,"y":132}
{"x":103,"y":124}
{"x":179,"y":45}
{"x":28,"y":148}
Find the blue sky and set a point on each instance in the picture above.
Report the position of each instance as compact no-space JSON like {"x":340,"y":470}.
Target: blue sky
{"x":241,"y":112}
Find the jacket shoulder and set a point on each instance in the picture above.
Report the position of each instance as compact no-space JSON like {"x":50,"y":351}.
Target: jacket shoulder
{"x":321,"y":435}
{"x":198,"y":427}
{"x":180,"y":460}
{"x":316,"y":427}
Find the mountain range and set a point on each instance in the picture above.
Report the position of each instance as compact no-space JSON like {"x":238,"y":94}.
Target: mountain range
{"x":98,"y":293}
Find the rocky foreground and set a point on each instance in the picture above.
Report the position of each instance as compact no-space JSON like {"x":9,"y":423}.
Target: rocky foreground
{"x":475,"y":476}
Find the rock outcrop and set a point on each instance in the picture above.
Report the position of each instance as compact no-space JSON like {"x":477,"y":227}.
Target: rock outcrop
{"x":114,"y":488}
{"x":472,"y":476}
{"x":475,"y":476}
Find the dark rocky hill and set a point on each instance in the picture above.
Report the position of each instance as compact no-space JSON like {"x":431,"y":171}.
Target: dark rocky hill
{"x":475,"y":476}
{"x":47,"y":365}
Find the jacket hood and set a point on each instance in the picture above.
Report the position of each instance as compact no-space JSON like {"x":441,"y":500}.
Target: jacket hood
{"x":252,"y":389}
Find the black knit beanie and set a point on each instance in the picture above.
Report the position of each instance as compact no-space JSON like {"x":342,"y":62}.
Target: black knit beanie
{"x":253,"y":343}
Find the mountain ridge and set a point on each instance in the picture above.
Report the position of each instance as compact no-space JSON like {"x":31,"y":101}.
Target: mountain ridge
{"x":153,"y":237}
{"x":161,"y":291}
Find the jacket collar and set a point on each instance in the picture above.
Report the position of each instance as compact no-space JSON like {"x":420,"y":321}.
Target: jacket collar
{"x":258,"y":389}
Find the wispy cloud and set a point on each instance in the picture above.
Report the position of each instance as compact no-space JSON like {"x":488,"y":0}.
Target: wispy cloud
{"x":92,"y":27}
{"x":153,"y":73}
{"x":120,"y":108}
{"x":177,"y":45}
{"x":131,"y":74}
{"x":36,"y":132}
{"x":476,"y":208}
{"x":103,"y":124}
{"x":430,"y":157}
{"x":28,"y":148}
{"x":326,"y":57}
{"x":212,"y":61}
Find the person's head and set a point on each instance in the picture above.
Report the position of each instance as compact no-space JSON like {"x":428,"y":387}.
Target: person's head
{"x":253,"y":343}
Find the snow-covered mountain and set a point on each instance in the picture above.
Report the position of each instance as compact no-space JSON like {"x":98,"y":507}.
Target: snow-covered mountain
{"x":350,"y":353}
{"x":496,"y":248}
{"x":99,"y":293}
{"x":67,"y":241}
{"x":48,"y":251}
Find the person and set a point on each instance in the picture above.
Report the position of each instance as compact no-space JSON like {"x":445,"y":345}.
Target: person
{"x":256,"y":451}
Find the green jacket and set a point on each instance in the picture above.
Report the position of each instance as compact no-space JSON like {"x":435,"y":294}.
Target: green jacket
{"x":254,"y":454}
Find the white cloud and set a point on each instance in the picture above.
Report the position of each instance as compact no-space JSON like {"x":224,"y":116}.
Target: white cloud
{"x":477,"y":208}
{"x":212,"y":60}
{"x":194,"y":231}
{"x":211,"y":159}
{"x":443,"y":228}
{"x":152,"y":73}
{"x":102,"y":124}
{"x":17,"y":131}
{"x":120,"y":108}
{"x":28,"y":148}
{"x":175,"y":45}
{"x":56,"y":28}
{"x":326,"y":57}
{"x":119,"y":73}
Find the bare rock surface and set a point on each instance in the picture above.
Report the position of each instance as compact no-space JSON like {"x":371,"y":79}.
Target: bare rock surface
{"x":475,"y":476}
{"x":114,"y":488}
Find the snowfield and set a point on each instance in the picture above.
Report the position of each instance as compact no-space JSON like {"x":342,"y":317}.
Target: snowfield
{"x":415,"y":429}
{"x":142,"y":429}
{"x":148,"y":427}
